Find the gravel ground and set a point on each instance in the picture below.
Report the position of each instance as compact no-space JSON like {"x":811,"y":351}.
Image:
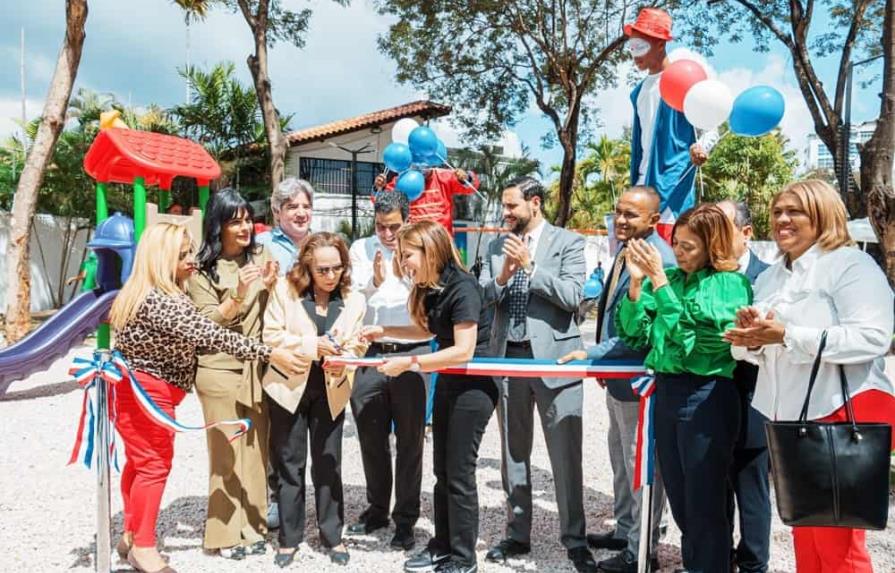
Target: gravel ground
{"x":48,"y":509}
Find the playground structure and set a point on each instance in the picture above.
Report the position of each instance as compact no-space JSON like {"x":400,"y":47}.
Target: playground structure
{"x":132,"y":157}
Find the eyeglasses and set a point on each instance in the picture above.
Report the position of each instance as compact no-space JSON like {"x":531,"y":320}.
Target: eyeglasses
{"x":324,"y":271}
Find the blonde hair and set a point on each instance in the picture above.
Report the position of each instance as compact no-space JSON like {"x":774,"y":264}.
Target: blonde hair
{"x":824,"y":208}
{"x":715,"y":229}
{"x":438,"y":250}
{"x":155,"y":266}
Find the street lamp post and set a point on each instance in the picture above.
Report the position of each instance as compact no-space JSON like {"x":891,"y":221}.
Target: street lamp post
{"x":845,"y":166}
{"x":354,"y":153}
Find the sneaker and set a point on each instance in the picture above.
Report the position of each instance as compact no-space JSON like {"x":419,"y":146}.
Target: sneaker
{"x":425,"y":560}
{"x":455,"y":567}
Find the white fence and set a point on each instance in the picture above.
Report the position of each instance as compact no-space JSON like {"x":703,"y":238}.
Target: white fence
{"x":47,"y":243}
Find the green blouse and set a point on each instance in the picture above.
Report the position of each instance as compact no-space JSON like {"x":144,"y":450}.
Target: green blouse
{"x":683,"y":321}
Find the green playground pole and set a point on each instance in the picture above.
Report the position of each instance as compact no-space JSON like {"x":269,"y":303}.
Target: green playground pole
{"x":203,"y":197}
{"x":139,"y":208}
{"x":164,"y":200}
{"x":104,"y":332}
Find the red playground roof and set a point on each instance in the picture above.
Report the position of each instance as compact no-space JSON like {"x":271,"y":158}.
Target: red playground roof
{"x":119,"y":155}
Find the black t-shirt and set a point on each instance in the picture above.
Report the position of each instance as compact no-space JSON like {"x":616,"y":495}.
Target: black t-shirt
{"x":459,"y":300}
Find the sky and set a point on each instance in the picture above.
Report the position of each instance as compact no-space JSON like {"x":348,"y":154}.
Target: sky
{"x":133,"y":49}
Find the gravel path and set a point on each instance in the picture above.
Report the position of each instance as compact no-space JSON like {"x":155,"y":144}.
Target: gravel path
{"x":48,"y":510}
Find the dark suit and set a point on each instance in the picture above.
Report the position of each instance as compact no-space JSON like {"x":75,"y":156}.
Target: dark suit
{"x":623,"y":407}
{"x":749,"y":473}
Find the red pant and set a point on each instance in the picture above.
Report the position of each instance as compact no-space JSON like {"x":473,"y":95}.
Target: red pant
{"x":839,"y":549}
{"x":149,"y":449}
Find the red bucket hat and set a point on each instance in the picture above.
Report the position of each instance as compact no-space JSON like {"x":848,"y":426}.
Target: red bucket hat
{"x":652,"y":22}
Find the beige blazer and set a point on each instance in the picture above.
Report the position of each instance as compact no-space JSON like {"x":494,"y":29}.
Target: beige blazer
{"x":287,"y":324}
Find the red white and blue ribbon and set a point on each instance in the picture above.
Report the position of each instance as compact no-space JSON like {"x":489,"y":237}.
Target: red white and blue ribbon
{"x":522,"y":368}
{"x":645,"y":450}
{"x":86,"y":373}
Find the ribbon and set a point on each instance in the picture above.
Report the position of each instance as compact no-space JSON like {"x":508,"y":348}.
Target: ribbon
{"x":521,"y":368}
{"x":87,"y":373}
{"x":112,"y":371}
{"x":645,"y":451}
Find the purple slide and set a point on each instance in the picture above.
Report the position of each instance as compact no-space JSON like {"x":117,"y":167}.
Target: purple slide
{"x":54,"y":338}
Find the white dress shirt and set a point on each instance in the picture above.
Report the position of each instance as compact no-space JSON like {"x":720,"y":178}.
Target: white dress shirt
{"x":842,"y":291}
{"x":386,"y":305}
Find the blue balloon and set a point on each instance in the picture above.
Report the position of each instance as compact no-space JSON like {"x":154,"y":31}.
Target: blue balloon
{"x":420,"y":161}
{"x":423,"y":142}
{"x":757,"y":111}
{"x":397,"y":157}
{"x":438,"y":158}
{"x":411,"y":183}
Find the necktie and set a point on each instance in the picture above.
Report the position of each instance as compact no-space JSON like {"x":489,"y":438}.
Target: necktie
{"x":518,"y":302}
{"x":617,"y":269}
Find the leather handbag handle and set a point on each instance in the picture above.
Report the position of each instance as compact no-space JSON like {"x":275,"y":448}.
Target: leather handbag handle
{"x":849,"y":409}
{"x":803,"y":416}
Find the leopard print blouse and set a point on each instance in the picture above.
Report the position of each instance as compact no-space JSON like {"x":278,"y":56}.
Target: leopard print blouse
{"x":167,"y":333}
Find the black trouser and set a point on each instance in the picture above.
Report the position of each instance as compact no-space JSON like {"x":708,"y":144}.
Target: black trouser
{"x":463,"y":406}
{"x":378,"y":401}
{"x":696,"y":421}
{"x":289,"y":435}
{"x":750,"y":491}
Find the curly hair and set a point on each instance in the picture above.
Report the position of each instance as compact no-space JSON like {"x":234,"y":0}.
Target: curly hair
{"x":300,"y":276}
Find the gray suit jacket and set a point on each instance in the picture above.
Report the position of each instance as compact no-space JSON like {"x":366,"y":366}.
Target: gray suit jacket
{"x":555,"y":292}
{"x":611,"y":346}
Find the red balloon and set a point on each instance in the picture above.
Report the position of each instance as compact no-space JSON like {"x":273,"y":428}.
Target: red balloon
{"x":677,"y":79}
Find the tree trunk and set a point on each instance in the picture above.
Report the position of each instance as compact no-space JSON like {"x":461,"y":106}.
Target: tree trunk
{"x":18,"y":277}
{"x":276,"y":141}
{"x":877,"y":153}
{"x":568,"y":140}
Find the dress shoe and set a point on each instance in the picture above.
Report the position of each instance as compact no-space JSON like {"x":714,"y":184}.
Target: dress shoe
{"x":124,"y":547}
{"x":506,"y":549}
{"x":257,"y":548}
{"x":283,"y":559}
{"x":132,"y":561}
{"x":625,"y":562}
{"x":339,"y":557}
{"x":426,"y":560}
{"x":403,"y":538}
{"x":606,"y":540}
{"x":582,"y":560}
{"x":273,"y":516}
{"x":366,"y":526}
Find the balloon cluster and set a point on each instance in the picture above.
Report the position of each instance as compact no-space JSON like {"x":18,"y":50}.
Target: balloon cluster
{"x":707,"y":103}
{"x":413,"y":148}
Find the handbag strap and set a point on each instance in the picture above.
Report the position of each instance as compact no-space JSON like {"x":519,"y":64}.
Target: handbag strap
{"x":803,"y":416}
{"x":849,"y":409}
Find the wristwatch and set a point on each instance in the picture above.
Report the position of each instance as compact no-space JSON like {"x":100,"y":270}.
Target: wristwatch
{"x":415,"y":363}
{"x":530,"y":268}
{"x":234,"y":295}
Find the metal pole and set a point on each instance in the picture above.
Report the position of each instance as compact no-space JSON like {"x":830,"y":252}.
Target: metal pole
{"x":139,"y":207}
{"x":353,"y":195}
{"x":646,"y":528}
{"x":845,"y":166}
{"x":103,"y":491}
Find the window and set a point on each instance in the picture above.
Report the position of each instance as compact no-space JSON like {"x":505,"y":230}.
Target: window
{"x":334,"y":176}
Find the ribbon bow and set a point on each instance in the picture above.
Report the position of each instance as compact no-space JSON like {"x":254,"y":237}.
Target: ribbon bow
{"x":86,"y":373}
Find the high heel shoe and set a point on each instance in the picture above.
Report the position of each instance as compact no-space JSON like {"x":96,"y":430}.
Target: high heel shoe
{"x":283,"y":560}
{"x":123,"y":547}
{"x":132,"y":561}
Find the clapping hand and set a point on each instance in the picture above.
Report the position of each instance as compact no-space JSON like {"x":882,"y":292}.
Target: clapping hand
{"x":647,"y":260}
{"x":378,"y":269}
{"x":752,"y":331}
{"x":269,"y":274}
{"x":247,"y":275}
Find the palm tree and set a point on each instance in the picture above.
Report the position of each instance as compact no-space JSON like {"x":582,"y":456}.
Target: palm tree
{"x":193,"y":11}
{"x":494,"y":172}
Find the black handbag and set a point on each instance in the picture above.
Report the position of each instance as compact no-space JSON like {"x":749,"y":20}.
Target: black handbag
{"x":832,"y":474}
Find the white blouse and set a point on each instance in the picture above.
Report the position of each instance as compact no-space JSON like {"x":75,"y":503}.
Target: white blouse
{"x":842,"y":291}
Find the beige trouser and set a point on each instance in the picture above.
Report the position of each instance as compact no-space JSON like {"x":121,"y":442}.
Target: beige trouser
{"x":237,"y":480}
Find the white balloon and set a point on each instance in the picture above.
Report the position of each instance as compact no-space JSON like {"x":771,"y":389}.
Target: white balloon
{"x":402,"y":128}
{"x":708,"y":103}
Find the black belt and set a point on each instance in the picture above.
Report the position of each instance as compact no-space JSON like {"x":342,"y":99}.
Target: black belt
{"x":526,"y":344}
{"x":395,"y":347}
